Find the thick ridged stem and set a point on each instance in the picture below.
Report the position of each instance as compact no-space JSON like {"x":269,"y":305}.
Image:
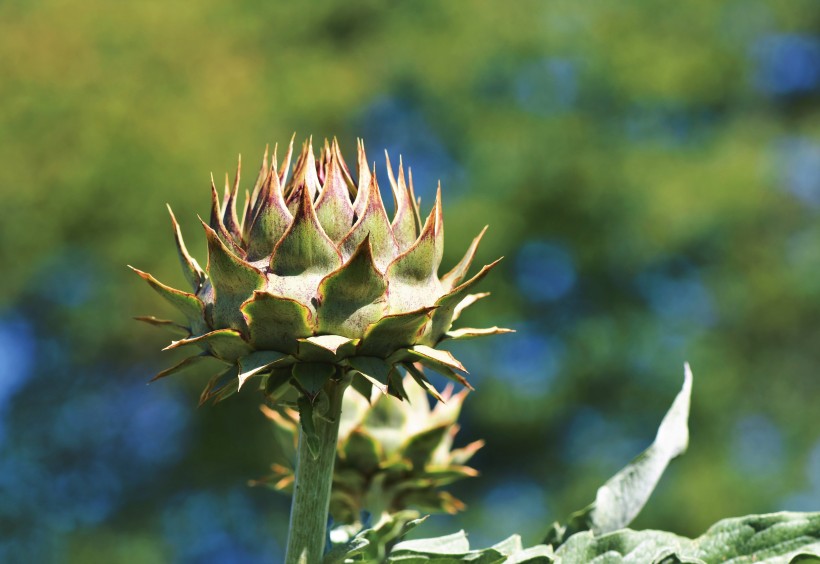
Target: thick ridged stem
{"x":314,"y":477}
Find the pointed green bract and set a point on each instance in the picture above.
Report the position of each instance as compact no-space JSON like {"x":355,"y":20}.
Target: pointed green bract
{"x":363,"y":385}
{"x":442,"y":362}
{"x":220,"y":386}
{"x":167,"y":324}
{"x":304,"y":175}
{"x":395,"y":385}
{"x":393,"y":332}
{"x":311,"y":376}
{"x":229,"y":216}
{"x":419,"y":448}
{"x":336,"y":344}
{"x":375,"y":369}
{"x":216,"y":223}
{"x":404,"y":221}
{"x":457,"y":274}
{"x":362,"y":195}
{"x":416,"y":201}
{"x":303,"y":256}
{"x":226,"y":344}
{"x":438,"y":209}
{"x":275,"y":323}
{"x":270,"y":222}
{"x":361,"y":451}
{"x":278,"y":383}
{"x":257,"y":363}
{"x":413,"y":275}
{"x":326,"y":348}
{"x":190,"y":267}
{"x":253,"y":201}
{"x":179,"y":367}
{"x":234,"y":281}
{"x":420,"y":262}
{"x":471,"y":333}
{"x":285,"y":167}
{"x":334,"y":208}
{"x":466,"y":302}
{"x":188,"y":304}
{"x":352,"y":190}
{"x":297,"y":177}
{"x":350,"y":299}
{"x":442,"y":318}
{"x":420,"y":379}
{"x":462,"y":455}
{"x":373,"y":223}
{"x":451,"y":474}
{"x":304,"y":247}
{"x":443,"y":357}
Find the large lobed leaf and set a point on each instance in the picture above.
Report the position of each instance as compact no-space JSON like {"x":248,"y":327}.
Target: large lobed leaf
{"x":452,"y":549}
{"x":623,"y":496}
{"x":774,"y":538}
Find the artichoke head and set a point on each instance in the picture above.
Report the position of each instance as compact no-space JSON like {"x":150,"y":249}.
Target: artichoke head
{"x":312,"y":281}
{"x":392,"y":457}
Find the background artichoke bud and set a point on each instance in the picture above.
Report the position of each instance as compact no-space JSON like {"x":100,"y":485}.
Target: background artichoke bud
{"x":312,"y":282}
{"x":391,"y":456}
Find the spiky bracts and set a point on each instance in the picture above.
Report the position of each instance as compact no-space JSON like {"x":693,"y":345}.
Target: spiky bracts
{"x":391,"y":456}
{"x":313,"y":281}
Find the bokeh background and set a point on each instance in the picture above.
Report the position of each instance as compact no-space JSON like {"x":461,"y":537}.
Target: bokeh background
{"x":650,"y":171}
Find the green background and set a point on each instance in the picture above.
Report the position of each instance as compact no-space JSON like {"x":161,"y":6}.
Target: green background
{"x":650,"y":170}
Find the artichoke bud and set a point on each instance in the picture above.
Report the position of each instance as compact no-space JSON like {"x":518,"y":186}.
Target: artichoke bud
{"x":312,"y":281}
{"x":392,"y":457}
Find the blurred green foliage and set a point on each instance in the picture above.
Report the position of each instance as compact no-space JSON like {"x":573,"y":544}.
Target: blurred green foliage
{"x":651,"y":171}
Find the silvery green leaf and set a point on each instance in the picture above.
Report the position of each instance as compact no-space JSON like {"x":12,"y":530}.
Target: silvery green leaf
{"x":623,"y":547}
{"x":623,"y":496}
{"x":774,"y":538}
{"x":455,"y":543}
{"x":380,"y":538}
{"x":538,"y":554}
{"x":455,"y":549}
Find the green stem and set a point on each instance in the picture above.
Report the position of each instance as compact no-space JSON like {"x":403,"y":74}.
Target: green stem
{"x":314,"y":477}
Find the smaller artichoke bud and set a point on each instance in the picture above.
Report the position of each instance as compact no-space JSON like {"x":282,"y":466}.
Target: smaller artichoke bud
{"x":391,"y":456}
{"x":311,"y":282}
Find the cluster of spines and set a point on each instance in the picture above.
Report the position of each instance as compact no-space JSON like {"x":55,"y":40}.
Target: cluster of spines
{"x":399,"y":453}
{"x":315,"y":273}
